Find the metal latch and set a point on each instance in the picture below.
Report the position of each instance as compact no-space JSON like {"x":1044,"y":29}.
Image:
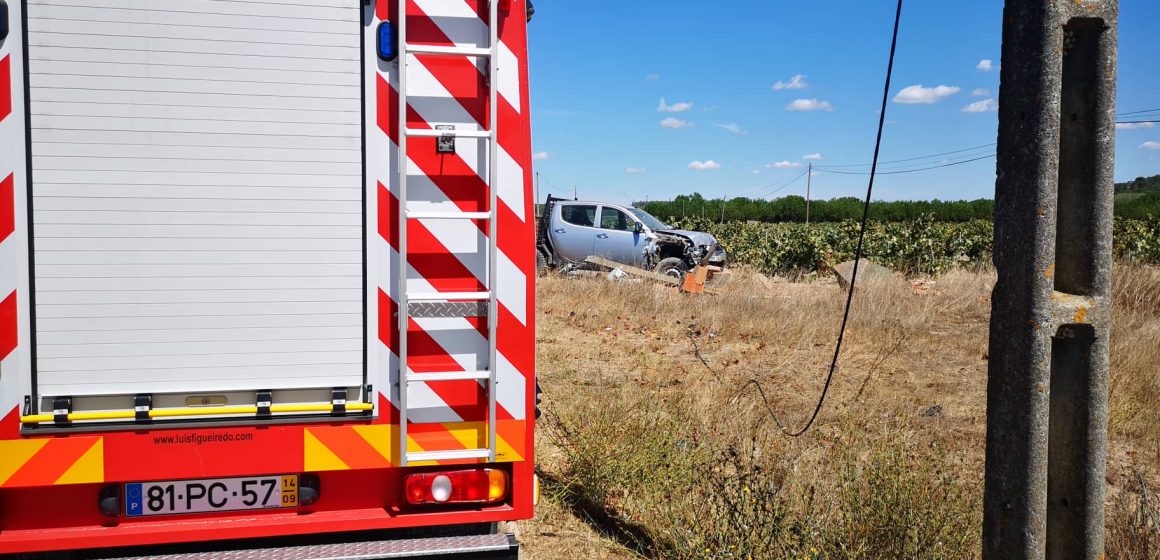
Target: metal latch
{"x":445,"y":143}
{"x":61,"y":408}
{"x":338,"y":401}
{"x":142,"y":404}
{"x":264,"y":400}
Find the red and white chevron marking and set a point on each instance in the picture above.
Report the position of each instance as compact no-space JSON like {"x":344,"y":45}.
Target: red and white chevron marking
{"x":8,"y":280}
{"x":14,"y":382}
{"x":447,"y":255}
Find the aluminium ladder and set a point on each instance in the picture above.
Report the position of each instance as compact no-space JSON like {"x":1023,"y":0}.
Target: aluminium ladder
{"x":490,"y":55}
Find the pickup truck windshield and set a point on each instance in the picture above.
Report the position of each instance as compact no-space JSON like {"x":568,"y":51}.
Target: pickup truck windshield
{"x":648,"y":219}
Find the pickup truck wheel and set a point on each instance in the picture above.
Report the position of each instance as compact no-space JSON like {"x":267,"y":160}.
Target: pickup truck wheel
{"x":672,"y":266}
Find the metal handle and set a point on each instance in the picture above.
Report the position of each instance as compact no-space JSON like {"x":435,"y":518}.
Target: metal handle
{"x":559,"y":230}
{"x":602,"y":235}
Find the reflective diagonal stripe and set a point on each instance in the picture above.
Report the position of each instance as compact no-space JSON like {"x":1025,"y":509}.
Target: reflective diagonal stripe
{"x":335,"y":448}
{"x":7,"y":207}
{"x":50,"y":461}
{"x":352,"y":447}
{"x":5,"y":87}
{"x":90,"y":467}
{"x":9,"y":328}
{"x":15,"y":454}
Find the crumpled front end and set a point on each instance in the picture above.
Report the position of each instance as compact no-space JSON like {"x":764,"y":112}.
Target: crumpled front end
{"x":694,"y":247}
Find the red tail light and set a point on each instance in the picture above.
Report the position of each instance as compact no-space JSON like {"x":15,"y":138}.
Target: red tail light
{"x":472,"y":486}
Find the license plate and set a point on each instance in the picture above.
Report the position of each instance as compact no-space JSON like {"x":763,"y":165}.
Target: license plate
{"x":219,"y":494}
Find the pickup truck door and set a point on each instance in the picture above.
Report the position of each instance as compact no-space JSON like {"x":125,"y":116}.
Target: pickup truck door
{"x":617,"y":239}
{"x":573,"y":230}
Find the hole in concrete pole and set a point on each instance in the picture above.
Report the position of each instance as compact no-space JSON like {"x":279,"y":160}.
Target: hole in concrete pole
{"x":1068,"y":422}
{"x":1080,"y":100}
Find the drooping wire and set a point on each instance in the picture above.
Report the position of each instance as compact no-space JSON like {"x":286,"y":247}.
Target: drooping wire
{"x":777,"y":187}
{"x":857,"y":250}
{"x":905,"y":171}
{"x":1138,"y":112}
{"x":959,"y":151}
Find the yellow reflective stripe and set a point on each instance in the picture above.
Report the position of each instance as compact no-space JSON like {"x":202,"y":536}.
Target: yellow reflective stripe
{"x":15,"y":453}
{"x":89,"y":468}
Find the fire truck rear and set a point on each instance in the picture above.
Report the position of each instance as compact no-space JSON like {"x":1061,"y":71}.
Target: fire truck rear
{"x":265,"y":271}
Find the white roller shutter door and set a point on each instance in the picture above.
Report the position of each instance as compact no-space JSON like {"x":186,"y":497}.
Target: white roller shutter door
{"x":197,"y":195}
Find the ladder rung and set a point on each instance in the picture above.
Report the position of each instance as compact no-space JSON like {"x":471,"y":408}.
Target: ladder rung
{"x":447,"y":50}
{"x":449,"y":376}
{"x":449,"y":455}
{"x":434,"y":133}
{"x":414,"y":215}
{"x":449,"y":296}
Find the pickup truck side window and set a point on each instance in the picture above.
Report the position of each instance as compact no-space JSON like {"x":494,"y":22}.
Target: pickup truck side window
{"x":611,"y":218}
{"x":579,"y":214}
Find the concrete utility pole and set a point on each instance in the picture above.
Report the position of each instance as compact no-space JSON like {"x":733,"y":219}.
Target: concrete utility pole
{"x":809,"y":182}
{"x":1047,"y":380}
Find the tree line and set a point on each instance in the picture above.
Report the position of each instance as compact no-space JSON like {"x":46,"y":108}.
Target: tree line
{"x":793,"y":209}
{"x":1138,"y":199}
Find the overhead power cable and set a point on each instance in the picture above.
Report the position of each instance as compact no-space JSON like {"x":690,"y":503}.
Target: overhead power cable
{"x":777,"y":187}
{"x":857,"y":250}
{"x":1156,"y":110}
{"x":904,"y":171}
{"x":909,"y":159}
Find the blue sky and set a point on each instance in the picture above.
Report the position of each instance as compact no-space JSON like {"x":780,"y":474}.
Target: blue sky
{"x":599,"y":71}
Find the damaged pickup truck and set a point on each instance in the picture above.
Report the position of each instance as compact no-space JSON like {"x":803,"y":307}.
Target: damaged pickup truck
{"x":571,"y":231}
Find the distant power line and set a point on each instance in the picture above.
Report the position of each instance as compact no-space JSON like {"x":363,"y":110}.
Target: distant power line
{"x":904,"y":171}
{"x":778,"y":187}
{"x":992,"y":144}
{"x":1138,"y":112}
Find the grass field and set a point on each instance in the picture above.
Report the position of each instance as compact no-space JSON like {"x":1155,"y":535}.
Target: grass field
{"x":656,"y":441}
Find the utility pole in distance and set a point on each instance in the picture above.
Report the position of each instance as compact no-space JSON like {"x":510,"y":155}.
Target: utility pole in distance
{"x":1047,"y":372}
{"x":809,"y":181}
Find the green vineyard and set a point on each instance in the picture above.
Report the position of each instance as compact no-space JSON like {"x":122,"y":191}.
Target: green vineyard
{"x":917,"y":247}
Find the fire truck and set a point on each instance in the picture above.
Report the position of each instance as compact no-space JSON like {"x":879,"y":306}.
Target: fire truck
{"x":266,"y":277}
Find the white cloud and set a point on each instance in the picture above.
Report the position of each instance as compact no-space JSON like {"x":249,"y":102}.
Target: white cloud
{"x":980,"y":92}
{"x":704,"y":165}
{"x":813,"y":157}
{"x":1134,"y":126}
{"x":679,"y":107}
{"x":983,"y":106}
{"x":985,"y":65}
{"x":757,"y":172}
{"x":635,"y":170}
{"x":732,"y":127}
{"x":784,"y":165}
{"x":918,"y":94}
{"x":809,"y":105}
{"x":1150,"y":145}
{"x":798,"y":81}
{"x":673,"y":122}
{"x":652,"y":77}
{"x":540,"y":156}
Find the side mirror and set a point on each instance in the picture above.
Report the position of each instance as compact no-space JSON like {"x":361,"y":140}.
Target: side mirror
{"x":637,"y":227}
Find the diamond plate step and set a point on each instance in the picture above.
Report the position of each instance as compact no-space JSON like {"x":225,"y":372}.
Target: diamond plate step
{"x":490,"y":547}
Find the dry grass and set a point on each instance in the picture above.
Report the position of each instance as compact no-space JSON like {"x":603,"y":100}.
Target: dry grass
{"x":651,"y":434}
